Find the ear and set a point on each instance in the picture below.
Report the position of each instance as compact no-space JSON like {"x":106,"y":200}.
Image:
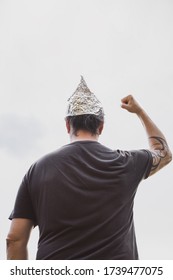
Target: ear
{"x":68,"y":126}
{"x":101,"y":127}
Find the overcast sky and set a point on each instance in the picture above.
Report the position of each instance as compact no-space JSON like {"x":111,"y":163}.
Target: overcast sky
{"x":120,"y":47}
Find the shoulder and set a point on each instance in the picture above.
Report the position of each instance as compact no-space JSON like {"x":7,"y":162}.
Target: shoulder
{"x":46,"y":158}
{"x":141,"y":156}
{"x":143,"y":153}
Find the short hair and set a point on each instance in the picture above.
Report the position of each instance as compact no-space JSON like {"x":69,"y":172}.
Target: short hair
{"x":86,"y":122}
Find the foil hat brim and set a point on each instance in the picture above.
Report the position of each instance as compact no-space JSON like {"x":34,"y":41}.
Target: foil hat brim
{"x":83,"y":102}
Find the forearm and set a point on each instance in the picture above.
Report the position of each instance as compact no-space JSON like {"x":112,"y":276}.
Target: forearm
{"x":16,"y":250}
{"x":151,"y":129}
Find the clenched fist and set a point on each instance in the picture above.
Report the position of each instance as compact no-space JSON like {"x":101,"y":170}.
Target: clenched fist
{"x":130,"y":104}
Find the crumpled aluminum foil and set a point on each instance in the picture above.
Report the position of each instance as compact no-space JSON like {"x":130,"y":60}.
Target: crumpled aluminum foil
{"x":83,"y":102}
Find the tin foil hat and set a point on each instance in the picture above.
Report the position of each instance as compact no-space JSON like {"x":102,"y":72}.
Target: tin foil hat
{"x":83,"y":102}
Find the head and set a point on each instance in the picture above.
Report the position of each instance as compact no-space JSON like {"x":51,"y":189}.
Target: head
{"x":85,"y":125}
{"x":85,"y":114}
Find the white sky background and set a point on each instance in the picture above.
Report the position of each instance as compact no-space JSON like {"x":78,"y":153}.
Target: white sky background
{"x":120,"y":47}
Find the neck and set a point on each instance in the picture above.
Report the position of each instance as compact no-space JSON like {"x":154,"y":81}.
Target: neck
{"x":82,"y":136}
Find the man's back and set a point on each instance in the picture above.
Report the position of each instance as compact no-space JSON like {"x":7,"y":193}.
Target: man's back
{"x":81,"y":196}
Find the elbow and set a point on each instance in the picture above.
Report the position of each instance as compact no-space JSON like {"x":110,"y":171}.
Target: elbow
{"x":169,"y":157}
{"x":15,"y":249}
{"x":10,"y":247}
{"x":10,"y":240}
{"x":13,"y":240}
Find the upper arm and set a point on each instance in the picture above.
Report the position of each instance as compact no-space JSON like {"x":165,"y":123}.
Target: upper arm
{"x":20,"y":230}
{"x":160,"y":153}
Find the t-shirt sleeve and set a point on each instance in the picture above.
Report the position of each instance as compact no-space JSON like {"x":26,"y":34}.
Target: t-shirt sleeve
{"x":23,"y":207}
{"x":142,"y":163}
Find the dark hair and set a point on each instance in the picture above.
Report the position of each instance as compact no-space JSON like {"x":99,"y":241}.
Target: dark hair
{"x":86,"y":122}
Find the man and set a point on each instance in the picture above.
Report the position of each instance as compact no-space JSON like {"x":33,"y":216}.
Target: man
{"x":81,"y":196}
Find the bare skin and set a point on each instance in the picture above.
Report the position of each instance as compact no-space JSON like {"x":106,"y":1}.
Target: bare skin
{"x":17,"y":239}
{"x":157,"y":142}
{"x":20,"y":229}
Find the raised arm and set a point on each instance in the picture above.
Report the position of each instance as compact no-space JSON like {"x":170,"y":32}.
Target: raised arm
{"x":157,"y":142}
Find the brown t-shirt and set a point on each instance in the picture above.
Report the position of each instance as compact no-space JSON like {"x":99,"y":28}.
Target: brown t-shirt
{"x":81,"y":197}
